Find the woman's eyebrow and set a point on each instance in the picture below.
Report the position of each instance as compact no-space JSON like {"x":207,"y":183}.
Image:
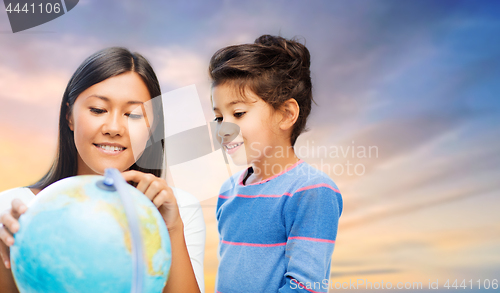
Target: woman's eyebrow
{"x":107,"y":99}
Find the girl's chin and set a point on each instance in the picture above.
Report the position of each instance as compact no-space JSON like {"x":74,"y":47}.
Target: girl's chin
{"x":239,"y":161}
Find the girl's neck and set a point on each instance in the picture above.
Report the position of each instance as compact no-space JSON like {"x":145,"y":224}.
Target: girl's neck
{"x":281,"y":159}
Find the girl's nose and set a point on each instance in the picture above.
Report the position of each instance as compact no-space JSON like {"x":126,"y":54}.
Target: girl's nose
{"x":115,"y":125}
{"x":228,"y":131}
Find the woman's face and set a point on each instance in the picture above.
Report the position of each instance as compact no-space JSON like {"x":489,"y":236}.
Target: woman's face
{"x":111,"y":121}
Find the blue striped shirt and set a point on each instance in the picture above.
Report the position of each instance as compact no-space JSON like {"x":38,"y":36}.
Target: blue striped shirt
{"x":278,"y":233}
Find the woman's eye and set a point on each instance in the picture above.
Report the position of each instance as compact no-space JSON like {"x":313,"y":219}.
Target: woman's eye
{"x":239,"y":114}
{"x":134,"y":116}
{"x":218,"y":119}
{"x":97,"y":111}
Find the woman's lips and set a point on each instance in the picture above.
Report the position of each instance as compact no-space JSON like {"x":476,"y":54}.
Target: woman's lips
{"x":110,"y":149}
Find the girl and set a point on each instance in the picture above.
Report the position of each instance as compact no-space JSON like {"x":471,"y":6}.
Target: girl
{"x":277,"y":219}
{"x":109,"y":116}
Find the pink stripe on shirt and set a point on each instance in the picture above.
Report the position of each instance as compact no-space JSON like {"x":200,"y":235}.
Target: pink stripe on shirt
{"x":316,"y":186}
{"x":312,"y":239}
{"x":257,"y":195}
{"x":285,"y":194}
{"x":253,"y":244}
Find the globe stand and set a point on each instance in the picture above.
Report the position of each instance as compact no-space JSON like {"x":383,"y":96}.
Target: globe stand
{"x":106,"y":184}
{"x":114,"y":181}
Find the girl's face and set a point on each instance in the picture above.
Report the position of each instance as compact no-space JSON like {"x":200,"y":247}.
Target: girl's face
{"x":110,"y":121}
{"x":257,"y":122}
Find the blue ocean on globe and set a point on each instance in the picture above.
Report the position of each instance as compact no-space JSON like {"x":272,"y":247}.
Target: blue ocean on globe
{"x":75,"y":237}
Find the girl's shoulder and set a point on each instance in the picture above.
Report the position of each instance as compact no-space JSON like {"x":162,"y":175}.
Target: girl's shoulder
{"x":310,"y":175}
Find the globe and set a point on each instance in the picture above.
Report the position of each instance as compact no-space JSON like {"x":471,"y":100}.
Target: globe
{"x":75,"y":237}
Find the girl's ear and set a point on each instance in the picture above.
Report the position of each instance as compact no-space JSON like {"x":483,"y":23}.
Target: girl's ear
{"x":290,"y":113}
{"x":69,"y":118}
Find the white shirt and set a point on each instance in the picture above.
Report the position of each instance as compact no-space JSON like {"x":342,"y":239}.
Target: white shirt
{"x":189,"y":210}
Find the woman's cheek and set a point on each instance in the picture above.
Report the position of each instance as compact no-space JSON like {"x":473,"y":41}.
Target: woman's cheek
{"x":139,"y":134}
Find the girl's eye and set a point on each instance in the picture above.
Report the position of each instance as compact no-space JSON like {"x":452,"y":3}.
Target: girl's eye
{"x":97,"y":111}
{"x":218,"y":119}
{"x":239,"y":114}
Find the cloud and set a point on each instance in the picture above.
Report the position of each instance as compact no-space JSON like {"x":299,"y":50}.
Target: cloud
{"x":36,"y":70}
{"x":177,"y":66}
{"x":21,"y":120}
{"x":380,"y":212}
{"x":32,"y":88}
{"x":336,"y":274}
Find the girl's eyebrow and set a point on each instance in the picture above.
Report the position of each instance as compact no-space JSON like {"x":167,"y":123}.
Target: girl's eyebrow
{"x":107,"y":99}
{"x":230,"y":104}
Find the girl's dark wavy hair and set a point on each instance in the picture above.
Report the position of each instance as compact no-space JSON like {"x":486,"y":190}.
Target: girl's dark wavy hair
{"x":274,"y":68}
{"x":98,"y":67}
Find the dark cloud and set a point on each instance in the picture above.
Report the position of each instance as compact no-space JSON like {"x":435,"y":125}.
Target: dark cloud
{"x":411,"y":56}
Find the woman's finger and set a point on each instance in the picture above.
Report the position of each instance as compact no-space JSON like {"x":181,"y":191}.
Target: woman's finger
{"x":161,"y":198}
{"x":145,"y":182}
{"x":18,"y":208}
{"x":154,"y":189}
{"x":5,"y":254}
{"x":142,"y":179}
{"x":132,"y":175}
{"x":9,"y":222}
{"x":6,"y":237}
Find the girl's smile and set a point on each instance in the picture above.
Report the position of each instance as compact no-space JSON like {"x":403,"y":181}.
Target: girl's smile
{"x":231,"y":148}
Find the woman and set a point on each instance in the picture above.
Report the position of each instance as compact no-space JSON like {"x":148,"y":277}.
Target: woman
{"x":109,"y":118}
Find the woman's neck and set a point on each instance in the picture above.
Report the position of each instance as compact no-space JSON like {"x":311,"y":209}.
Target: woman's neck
{"x":35,"y":190}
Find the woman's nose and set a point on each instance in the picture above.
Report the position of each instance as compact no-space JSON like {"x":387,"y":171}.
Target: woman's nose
{"x":228,"y":131}
{"x":114,"y":125}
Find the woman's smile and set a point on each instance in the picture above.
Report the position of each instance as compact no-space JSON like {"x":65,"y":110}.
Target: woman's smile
{"x":110,"y":148}
{"x":110,"y":121}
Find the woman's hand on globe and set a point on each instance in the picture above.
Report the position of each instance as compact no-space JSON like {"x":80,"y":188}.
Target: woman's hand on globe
{"x":9,"y":226}
{"x":162,"y":196}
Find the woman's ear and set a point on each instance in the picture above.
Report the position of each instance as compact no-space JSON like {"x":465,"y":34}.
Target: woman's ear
{"x":290,"y":113}
{"x":69,"y":118}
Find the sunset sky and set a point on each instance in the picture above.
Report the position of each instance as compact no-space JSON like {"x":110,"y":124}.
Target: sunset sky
{"x":416,"y":82}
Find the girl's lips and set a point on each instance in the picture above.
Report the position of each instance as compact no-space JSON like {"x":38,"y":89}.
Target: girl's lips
{"x":232,"y":147}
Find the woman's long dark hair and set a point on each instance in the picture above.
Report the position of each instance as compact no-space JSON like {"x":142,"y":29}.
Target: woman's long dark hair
{"x":96,"y":68}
